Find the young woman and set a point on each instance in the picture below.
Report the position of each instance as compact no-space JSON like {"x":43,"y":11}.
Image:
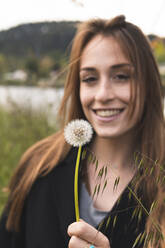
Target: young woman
{"x":114,"y":84}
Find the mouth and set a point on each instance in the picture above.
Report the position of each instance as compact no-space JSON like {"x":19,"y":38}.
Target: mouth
{"x":108,"y":112}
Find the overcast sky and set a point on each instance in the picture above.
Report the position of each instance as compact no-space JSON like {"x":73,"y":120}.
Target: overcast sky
{"x":149,"y":15}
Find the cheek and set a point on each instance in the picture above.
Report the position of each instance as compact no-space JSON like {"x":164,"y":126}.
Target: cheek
{"x":84,"y":102}
{"x":124,"y":93}
{"x":85,"y":96}
{"x":82,"y":97}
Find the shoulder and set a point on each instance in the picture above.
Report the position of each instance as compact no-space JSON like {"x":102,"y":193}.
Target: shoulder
{"x":61,"y":174}
{"x":50,"y":193}
{"x":66,"y":166}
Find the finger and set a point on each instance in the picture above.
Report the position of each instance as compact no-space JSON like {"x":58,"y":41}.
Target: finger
{"x":88,"y":233}
{"x":77,"y":242}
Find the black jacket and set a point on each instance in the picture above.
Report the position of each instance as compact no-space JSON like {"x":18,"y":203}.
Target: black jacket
{"x":49,"y":209}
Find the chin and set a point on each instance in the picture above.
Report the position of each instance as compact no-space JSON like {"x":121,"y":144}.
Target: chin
{"x":107,"y":135}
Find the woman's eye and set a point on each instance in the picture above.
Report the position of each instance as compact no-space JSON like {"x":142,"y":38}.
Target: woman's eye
{"x":88,"y":79}
{"x":121,"y":77}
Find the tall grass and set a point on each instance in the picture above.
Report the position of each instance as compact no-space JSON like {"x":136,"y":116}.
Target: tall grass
{"x":20,"y":127}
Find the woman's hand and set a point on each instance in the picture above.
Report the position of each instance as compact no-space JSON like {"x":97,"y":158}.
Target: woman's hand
{"x":84,"y":235}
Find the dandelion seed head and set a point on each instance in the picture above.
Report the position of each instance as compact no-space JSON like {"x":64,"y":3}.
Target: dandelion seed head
{"x":78,"y":132}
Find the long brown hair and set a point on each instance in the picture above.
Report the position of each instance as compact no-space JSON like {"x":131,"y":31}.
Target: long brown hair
{"x":41,"y":158}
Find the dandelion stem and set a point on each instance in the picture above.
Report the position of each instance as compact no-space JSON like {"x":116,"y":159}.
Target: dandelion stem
{"x":76,"y":184}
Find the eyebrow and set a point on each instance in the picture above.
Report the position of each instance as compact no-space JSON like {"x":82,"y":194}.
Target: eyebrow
{"x":116,"y":66}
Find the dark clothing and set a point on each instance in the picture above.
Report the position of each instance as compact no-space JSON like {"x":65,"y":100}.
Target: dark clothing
{"x":49,"y":209}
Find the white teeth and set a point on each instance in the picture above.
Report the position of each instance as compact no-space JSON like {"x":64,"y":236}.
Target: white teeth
{"x":107,"y":113}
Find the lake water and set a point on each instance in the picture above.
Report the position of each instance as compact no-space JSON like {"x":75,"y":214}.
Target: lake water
{"x":37,"y":98}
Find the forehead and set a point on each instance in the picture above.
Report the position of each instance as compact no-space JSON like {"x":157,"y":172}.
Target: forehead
{"x":102,"y":49}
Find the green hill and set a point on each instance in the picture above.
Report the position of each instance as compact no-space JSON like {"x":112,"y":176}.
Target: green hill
{"x":37,"y":38}
{"x":40,"y":48}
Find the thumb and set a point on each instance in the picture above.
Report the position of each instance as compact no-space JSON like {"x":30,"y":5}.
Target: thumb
{"x":81,"y":220}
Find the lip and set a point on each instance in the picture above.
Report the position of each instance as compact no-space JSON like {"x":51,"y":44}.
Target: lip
{"x":110,"y":118}
{"x":104,"y":109}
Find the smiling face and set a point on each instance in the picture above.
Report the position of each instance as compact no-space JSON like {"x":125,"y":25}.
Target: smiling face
{"x":105,"y":88}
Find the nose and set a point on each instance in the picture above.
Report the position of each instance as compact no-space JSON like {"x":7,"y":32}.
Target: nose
{"x":105,"y":91}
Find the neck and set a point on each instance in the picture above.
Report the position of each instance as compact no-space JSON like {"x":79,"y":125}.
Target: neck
{"x":117,"y":152}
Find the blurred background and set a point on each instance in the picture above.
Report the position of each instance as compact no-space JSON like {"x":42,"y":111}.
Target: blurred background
{"x":35,"y":41}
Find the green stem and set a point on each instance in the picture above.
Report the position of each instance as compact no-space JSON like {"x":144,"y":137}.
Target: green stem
{"x":76,"y":184}
{"x":145,"y":210}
